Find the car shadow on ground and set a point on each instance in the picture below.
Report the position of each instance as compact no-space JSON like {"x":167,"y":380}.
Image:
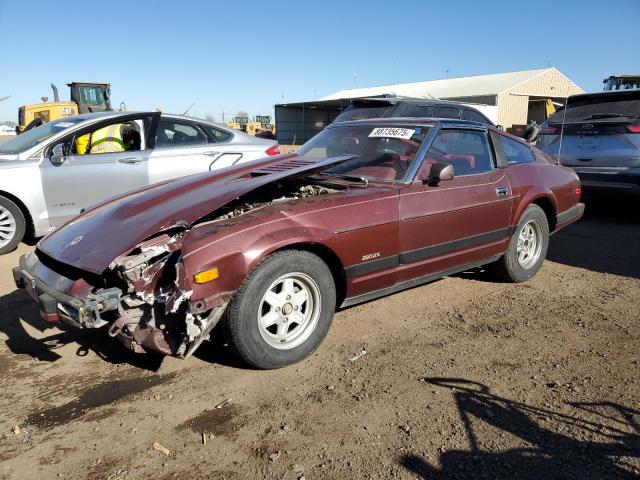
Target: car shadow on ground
{"x":17,"y":309}
{"x":605,"y":240}
{"x":604,"y":438}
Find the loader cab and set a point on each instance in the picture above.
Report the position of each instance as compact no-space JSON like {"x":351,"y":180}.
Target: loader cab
{"x":91,"y":96}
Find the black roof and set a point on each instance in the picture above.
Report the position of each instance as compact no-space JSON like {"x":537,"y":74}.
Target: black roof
{"x":449,"y":122}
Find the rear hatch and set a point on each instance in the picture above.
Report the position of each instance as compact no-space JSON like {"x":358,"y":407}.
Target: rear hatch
{"x":595,"y":130}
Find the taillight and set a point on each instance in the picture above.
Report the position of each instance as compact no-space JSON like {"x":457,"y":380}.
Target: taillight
{"x":578,"y":192}
{"x":273,"y":150}
{"x":635,"y":128}
{"x":547,"y":129}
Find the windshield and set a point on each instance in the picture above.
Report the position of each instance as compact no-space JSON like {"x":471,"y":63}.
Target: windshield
{"x":33,"y":137}
{"x":622,"y":83}
{"x":380,"y":153}
{"x":93,"y":95}
{"x":609,"y":106}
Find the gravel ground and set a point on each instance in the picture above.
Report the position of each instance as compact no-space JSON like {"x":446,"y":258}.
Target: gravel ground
{"x":462,"y":378}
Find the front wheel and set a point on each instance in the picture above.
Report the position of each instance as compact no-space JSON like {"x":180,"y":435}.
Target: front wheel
{"x":527,"y":249}
{"x":282,"y":311}
{"x":12,"y":226}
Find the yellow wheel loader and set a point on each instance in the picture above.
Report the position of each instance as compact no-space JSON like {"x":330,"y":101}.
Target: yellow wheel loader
{"x":85,"y":97}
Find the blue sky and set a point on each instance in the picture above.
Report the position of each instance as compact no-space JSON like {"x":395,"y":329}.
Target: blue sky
{"x":231,"y":56}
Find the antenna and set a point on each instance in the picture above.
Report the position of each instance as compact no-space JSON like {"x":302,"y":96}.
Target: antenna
{"x":4,"y":98}
{"x":446,"y":72}
{"x":190,"y":107}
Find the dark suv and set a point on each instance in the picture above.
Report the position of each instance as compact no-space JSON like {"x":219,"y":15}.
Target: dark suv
{"x":404,"y":107}
{"x":600,"y":139}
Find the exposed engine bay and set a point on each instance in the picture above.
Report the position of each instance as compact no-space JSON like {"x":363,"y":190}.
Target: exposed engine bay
{"x":271,"y":194}
{"x":146,"y":299}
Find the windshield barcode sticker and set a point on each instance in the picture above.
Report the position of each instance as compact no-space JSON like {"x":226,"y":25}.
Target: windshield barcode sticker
{"x":390,"y":132}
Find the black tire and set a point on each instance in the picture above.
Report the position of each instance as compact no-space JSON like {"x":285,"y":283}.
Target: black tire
{"x":20,"y":225}
{"x":241,"y":327}
{"x":509,"y":267}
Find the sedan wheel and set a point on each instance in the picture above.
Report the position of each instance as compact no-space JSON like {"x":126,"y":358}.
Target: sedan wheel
{"x":12,"y":225}
{"x":7,"y":226}
{"x":282,"y":311}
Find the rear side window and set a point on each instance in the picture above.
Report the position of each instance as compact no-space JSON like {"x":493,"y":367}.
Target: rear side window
{"x":467,"y":151}
{"x":474,"y":116}
{"x":173,"y":133}
{"x":516,"y":152}
{"x":413,"y":110}
{"x":447,"y":112}
{"x":359,"y":113}
{"x":217,"y":135}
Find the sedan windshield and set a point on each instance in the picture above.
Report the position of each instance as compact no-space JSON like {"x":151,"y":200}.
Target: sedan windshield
{"x":379,"y":153}
{"x":33,"y":137}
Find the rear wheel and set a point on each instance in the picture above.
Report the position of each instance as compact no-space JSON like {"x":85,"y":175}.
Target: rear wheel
{"x":527,"y":249}
{"x":12,"y":225}
{"x":283,"y":310}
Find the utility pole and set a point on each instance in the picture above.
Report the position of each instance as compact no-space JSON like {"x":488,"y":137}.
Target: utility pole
{"x":446,"y":72}
{"x":223,"y":116}
{"x":315,"y":93}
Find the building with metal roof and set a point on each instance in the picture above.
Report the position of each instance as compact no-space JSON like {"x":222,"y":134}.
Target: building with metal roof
{"x":520,"y":97}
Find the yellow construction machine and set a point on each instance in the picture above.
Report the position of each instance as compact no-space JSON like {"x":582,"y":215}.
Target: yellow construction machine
{"x":85,"y":97}
{"x":260,"y":125}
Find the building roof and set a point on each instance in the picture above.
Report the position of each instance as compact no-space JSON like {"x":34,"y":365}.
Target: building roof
{"x":492,"y":84}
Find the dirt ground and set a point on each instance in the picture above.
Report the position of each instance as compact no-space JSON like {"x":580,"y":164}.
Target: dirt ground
{"x":462,"y":378}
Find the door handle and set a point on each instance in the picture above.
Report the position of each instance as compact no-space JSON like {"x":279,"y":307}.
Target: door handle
{"x":502,"y":191}
{"x":212,"y":154}
{"x":129,"y":160}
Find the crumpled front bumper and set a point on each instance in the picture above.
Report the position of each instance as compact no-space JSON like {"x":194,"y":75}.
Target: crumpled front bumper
{"x":59,"y":306}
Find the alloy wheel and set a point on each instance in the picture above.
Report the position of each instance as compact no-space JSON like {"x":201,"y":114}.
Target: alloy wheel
{"x":529,"y":244}
{"x":7,"y":226}
{"x":289,"y":310}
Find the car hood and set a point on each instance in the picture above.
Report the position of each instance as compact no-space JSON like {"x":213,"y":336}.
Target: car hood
{"x":93,"y":239}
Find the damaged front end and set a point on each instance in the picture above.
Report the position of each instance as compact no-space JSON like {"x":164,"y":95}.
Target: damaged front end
{"x":143,"y":297}
{"x":154,"y":311}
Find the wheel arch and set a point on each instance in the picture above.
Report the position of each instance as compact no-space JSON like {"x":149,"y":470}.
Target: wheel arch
{"x":328,"y":256}
{"x":30,"y":229}
{"x":543,"y":199}
{"x":549,"y":209}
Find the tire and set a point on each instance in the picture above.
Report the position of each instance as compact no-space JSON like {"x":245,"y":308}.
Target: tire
{"x":266,"y":296}
{"x":12,"y":226}
{"x":516,"y":265}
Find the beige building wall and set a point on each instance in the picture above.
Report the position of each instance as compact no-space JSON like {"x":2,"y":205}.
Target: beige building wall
{"x":513,"y":104}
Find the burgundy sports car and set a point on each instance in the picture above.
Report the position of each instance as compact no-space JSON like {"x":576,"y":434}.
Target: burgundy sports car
{"x":364,"y":209}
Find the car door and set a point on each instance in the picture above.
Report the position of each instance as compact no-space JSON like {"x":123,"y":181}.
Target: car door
{"x":84,"y":179}
{"x":184,"y":147}
{"x":459,"y":221}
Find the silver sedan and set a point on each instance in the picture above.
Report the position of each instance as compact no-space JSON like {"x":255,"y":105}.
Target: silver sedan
{"x":47,"y":175}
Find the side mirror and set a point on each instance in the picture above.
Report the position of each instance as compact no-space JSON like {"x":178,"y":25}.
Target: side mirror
{"x":440,"y":171}
{"x":57,"y":156}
